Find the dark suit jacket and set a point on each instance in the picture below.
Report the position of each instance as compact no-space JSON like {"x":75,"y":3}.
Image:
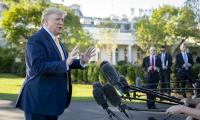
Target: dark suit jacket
{"x":168,"y":58}
{"x":45,"y":88}
{"x":180,"y":60}
{"x":146,"y":63}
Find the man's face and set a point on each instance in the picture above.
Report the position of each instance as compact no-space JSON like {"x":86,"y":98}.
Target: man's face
{"x":162,"y":49}
{"x":183,"y":48}
{"x":54,"y":23}
{"x":152,"y":50}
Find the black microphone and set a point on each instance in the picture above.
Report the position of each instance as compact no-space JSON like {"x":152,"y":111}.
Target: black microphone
{"x":109,"y":72}
{"x":114,"y":78}
{"x":114,"y":98}
{"x":111,"y":95}
{"x":99,"y":96}
{"x":97,"y":85}
{"x":123,"y":84}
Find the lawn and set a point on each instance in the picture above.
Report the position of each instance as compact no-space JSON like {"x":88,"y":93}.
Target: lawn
{"x":10,"y":86}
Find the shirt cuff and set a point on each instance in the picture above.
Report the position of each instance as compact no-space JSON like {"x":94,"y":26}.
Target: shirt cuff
{"x":83,"y":65}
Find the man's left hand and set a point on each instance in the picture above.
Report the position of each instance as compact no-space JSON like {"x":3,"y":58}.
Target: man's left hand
{"x":85,"y":57}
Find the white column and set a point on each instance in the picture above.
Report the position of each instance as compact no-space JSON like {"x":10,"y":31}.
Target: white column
{"x":129,"y":53}
{"x":113,"y":57}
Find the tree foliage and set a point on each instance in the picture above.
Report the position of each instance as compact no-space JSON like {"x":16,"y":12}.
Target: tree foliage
{"x":23,"y":18}
{"x":167,"y":25}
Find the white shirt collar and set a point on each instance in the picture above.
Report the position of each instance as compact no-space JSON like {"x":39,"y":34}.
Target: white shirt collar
{"x":51,"y":34}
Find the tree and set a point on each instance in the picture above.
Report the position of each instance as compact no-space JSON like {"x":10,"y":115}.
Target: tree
{"x":23,"y":18}
{"x":167,"y":25}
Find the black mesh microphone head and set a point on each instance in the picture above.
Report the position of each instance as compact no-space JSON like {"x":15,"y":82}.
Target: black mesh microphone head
{"x":97,"y":85}
{"x":99,"y":97}
{"x":124,"y":85}
{"x":122,"y":80}
{"x":104,"y":62}
{"x":111,"y":95}
{"x":109,"y":72}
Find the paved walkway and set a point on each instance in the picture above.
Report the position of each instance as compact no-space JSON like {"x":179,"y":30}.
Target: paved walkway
{"x":84,"y":111}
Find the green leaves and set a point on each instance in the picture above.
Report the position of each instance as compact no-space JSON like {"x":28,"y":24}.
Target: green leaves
{"x":23,"y":18}
{"x":167,"y":25}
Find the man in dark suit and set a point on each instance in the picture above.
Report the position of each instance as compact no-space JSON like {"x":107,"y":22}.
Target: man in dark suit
{"x":151,"y":65}
{"x":166,"y":62}
{"x":47,"y":89}
{"x":184,"y":62}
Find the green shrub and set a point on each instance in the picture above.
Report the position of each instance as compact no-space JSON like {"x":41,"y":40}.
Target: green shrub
{"x":122,"y":62}
{"x":74,"y":73}
{"x":19,"y":68}
{"x":90,"y":73}
{"x":85,"y":75}
{"x":196,"y":70}
{"x":6,"y":59}
{"x":130,"y":74}
{"x":80,"y":76}
{"x":123,"y":69}
{"x":95,"y":74}
{"x":102,"y":79}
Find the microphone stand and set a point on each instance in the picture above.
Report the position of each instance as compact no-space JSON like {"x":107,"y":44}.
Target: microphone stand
{"x":160,"y":95}
{"x":111,"y":114}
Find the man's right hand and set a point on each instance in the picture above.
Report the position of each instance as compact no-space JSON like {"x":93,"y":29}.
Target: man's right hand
{"x":72,"y":55}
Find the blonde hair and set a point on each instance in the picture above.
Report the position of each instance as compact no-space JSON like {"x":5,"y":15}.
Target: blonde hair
{"x":50,"y":11}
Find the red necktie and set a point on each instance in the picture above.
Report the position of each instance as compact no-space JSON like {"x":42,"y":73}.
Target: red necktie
{"x":153,"y":63}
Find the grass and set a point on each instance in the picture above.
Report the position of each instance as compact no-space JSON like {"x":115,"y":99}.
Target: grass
{"x":10,"y":86}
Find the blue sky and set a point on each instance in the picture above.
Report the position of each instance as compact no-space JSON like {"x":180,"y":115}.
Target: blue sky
{"x":104,"y":8}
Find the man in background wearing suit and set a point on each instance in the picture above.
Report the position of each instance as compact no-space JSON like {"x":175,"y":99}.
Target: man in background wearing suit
{"x":47,"y":88}
{"x":184,"y":62}
{"x":166,"y":62}
{"x":151,"y":65}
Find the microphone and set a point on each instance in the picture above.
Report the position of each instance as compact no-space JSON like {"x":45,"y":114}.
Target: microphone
{"x":124,"y":86}
{"x":114,"y":78}
{"x":99,"y":96}
{"x":109,"y":72}
{"x":114,"y":98}
{"x":111,"y":95}
{"x":97,"y":85}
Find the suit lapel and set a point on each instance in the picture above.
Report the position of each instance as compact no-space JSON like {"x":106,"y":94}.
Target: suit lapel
{"x":49,"y":38}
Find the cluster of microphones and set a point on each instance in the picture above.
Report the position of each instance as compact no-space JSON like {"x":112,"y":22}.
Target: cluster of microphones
{"x":104,"y":93}
{"x":107,"y":93}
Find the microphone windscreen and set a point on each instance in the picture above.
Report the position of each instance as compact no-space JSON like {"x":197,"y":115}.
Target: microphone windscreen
{"x":109,"y":72}
{"x":97,"y":85}
{"x":104,"y":62}
{"x":122,"y":80}
{"x":124,"y":87}
{"x":111,"y":95}
{"x":99,"y":97}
